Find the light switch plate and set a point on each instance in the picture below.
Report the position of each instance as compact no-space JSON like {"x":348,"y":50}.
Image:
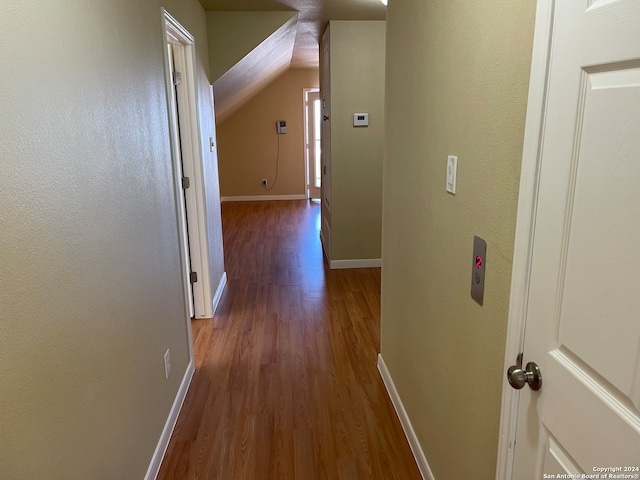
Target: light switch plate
{"x":478,"y":267}
{"x":360,"y":119}
{"x":452,"y":173}
{"x":167,"y":364}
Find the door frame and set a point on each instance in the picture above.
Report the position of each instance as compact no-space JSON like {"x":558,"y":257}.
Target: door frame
{"x":525,"y":229}
{"x":192,"y":163}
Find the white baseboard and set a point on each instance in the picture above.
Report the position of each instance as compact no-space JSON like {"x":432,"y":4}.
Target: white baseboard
{"x":219,"y":290}
{"x":412,"y":438}
{"x":357,"y":263}
{"x":163,"y":443}
{"x":258,"y":198}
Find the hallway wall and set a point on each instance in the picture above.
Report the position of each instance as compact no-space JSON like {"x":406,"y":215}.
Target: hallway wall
{"x":457,"y":75}
{"x":357,"y":71}
{"x":91,"y":293}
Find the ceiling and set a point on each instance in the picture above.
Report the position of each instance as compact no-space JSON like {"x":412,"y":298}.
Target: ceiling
{"x":312,"y":19}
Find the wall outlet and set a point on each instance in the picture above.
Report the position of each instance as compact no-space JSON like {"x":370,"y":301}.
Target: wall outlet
{"x":167,"y":364}
{"x":264,"y":182}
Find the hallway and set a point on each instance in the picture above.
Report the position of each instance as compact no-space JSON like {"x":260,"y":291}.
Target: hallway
{"x":286,"y":384}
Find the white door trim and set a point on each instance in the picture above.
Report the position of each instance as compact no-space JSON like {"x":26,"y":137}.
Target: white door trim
{"x":307,"y":172}
{"x":169,"y":26}
{"x":172,"y":29}
{"x":192,"y":161}
{"x":525,"y":228}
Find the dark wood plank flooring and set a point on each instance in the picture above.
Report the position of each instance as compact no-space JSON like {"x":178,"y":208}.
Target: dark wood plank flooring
{"x":286,"y":384}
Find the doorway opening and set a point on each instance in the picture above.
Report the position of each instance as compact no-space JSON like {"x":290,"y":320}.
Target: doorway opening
{"x":312,"y":142}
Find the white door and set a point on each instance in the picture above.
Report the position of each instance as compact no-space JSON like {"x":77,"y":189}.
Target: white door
{"x":582,"y":311}
{"x":175,"y":132}
{"x":325,"y":93}
{"x":313,"y":139}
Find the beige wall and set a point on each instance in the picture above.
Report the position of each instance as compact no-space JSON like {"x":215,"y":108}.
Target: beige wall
{"x":357,"y":55}
{"x":248,"y":143}
{"x":457,"y":79}
{"x":90,"y":282}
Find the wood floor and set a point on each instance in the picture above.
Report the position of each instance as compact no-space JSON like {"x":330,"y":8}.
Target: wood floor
{"x":286,"y":384}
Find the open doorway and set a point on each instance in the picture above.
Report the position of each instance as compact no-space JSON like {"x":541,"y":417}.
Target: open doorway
{"x":187,"y":164}
{"x":312,"y":142}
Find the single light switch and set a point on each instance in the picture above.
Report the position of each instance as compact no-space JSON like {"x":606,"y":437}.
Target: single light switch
{"x":478,"y":267}
{"x":452,"y":173}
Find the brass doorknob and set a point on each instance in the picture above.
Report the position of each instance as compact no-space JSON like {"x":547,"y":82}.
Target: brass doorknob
{"x":531,"y":374}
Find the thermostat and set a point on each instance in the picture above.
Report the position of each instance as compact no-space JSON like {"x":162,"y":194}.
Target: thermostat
{"x":360,"y":119}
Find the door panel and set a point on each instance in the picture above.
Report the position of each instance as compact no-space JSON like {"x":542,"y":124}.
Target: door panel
{"x":175,"y":132}
{"x":326,"y":120}
{"x":582,"y":323}
{"x":556,"y":460}
{"x":604,"y":222}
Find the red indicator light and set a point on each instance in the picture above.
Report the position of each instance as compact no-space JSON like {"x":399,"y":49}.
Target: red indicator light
{"x":478,"y":261}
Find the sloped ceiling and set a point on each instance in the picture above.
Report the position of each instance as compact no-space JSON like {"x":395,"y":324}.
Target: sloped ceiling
{"x":255,"y":70}
{"x":247,"y":30}
{"x":246,"y":78}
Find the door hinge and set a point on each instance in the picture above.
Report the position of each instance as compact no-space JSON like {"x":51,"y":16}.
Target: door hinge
{"x":193,"y":277}
{"x":177,"y":78}
{"x":324,"y":170}
{"x":186,"y":183}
